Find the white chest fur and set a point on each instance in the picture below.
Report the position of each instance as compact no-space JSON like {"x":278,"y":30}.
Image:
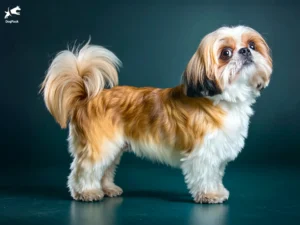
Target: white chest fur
{"x":223,"y":145}
{"x":231,"y":137}
{"x":204,"y":167}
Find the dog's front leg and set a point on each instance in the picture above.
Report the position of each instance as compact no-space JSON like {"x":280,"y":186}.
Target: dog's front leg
{"x":203,"y":176}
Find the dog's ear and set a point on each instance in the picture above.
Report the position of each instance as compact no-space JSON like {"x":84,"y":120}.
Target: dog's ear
{"x":198,"y":78}
{"x":203,"y":88}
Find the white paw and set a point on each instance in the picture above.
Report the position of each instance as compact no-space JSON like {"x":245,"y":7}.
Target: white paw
{"x":89,"y":195}
{"x":112,"y":190}
{"x":212,"y":197}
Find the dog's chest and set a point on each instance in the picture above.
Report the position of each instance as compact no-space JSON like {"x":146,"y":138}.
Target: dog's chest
{"x":226,"y":142}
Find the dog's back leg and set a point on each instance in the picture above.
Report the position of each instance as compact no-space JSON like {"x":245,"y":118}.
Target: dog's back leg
{"x":107,"y":182}
{"x":88,"y":168}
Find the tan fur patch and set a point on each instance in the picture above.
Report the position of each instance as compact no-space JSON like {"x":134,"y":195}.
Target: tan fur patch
{"x":201,"y":66}
{"x":166,"y":116}
{"x":260,"y":44}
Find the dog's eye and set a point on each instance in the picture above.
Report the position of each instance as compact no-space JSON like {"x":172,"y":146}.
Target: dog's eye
{"x":252,"y":45}
{"x":226,"y":53}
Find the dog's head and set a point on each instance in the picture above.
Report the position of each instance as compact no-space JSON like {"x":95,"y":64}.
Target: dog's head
{"x":226,"y":61}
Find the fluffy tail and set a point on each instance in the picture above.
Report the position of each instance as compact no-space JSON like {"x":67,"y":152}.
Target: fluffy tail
{"x":77,"y":76}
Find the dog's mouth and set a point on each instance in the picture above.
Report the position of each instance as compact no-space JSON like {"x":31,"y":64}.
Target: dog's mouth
{"x":248,"y":62}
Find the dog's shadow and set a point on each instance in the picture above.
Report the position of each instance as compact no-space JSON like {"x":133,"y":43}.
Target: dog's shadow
{"x":159,"y":194}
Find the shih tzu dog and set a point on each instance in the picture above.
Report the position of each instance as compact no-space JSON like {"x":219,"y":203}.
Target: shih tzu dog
{"x":198,"y":126}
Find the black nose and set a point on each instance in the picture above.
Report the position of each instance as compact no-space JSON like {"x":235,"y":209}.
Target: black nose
{"x":245,"y":51}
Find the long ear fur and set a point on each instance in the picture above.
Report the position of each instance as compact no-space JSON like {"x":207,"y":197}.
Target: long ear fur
{"x":199,"y":76}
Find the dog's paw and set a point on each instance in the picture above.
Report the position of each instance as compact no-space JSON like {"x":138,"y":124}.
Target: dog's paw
{"x":212,"y":197}
{"x":89,"y":195}
{"x":112,"y":190}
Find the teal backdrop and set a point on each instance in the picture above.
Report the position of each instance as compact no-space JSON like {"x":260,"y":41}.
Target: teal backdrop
{"x":154,"y":40}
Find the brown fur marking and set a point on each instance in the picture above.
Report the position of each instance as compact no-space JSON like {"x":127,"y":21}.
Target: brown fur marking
{"x":167,"y":116}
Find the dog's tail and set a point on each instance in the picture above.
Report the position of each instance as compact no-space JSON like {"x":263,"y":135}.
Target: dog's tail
{"x":75,"y":77}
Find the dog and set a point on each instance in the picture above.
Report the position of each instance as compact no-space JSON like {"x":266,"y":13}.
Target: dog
{"x":199,"y":125}
{"x":14,"y":11}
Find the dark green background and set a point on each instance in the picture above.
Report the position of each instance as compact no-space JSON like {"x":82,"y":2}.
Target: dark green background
{"x":154,"y":40}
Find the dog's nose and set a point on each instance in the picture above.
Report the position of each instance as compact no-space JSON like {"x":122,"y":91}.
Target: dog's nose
{"x":245,"y":51}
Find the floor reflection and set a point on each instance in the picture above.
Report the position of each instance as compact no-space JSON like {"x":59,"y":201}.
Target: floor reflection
{"x":103,"y":212}
{"x":110,"y":211}
{"x":209,"y":214}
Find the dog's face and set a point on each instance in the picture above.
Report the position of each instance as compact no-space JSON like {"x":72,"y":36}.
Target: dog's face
{"x":229,"y":59}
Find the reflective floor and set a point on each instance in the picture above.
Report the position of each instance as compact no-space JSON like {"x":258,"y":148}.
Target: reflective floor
{"x":152,"y":195}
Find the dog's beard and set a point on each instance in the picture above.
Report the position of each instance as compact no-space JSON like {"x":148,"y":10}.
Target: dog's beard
{"x":253,"y":74}
{"x":237,"y":69}
{"x":237,"y":76}
{"x":243,"y":70}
